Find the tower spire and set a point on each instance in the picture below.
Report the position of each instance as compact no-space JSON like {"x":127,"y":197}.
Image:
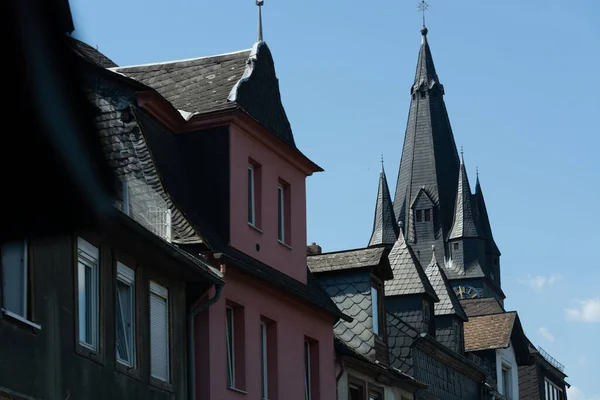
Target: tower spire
{"x":260,"y":3}
{"x":385,"y":228}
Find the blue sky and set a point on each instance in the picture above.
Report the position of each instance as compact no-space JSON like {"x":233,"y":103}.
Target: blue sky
{"x":522,"y":92}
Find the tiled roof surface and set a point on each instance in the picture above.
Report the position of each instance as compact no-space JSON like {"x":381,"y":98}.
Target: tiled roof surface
{"x":244,"y":79}
{"x":484,"y":220}
{"x":489,"y":331}
{"x":409,"y":277}
{"x":464,"y":215}
{"x":352,"y":295}
{"x":90,"y":54}
{"x":401,"y":337}
{"x":198,"y":85}
{"x":429,"y":157}
{"x":483,"y":306}
{"x":385,"y":227}
{"x":448,"y":304}
{"x":344,"y":260}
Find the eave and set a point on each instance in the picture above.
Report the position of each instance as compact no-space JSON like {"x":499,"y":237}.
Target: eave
{"x":157,"y":106}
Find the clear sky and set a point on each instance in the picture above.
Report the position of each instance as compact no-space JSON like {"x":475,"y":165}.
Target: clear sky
{"x":522,"y":92}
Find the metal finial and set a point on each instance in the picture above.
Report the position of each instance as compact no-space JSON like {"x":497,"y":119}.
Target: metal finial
{"x":462,"y":155}
{"x":423,"y":6}
{"x":477,"y":171}
{"x":260,"y":3}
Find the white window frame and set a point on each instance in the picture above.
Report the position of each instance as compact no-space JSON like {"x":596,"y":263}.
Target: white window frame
{"x":552,"y":391}
{"x":307,"y":371}
{"x":375,"y":309}
{"x":281,"y":213}
{"x":507,"y":384}
{"x":252,"y":195}
{"x":163,"y":293}
{"x":264,"y":361}
{"x":230,"y":345}
{"x":126,"y":276}
{"x":88,"y":256}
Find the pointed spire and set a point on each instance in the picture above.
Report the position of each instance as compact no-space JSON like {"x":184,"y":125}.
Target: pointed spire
{"x":448,"y":304}
{"x":260,"y":3}
{"x":464,"y":216}
{"x":484,"y":221}
{"x":425,"y":77}
{"x":385,"y":229}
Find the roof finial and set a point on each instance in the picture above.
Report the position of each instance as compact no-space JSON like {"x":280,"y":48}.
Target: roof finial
{"x":260,"y":3}
{"x":381,"y":161}
{"x":423,"y":6}
{"x":477,"y":171}
{"x":462,"y":155}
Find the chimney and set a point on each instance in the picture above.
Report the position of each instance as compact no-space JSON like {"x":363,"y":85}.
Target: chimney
{"x":313,"y":250}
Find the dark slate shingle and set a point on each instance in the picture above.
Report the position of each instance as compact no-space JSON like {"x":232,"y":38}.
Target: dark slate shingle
{"x":409,"y":277}
{"x":344,"y":260}
{"x":448,"y":304}
{"x":385,"y":227}
{"x":464,"y":225}
{"x":483,"y":306}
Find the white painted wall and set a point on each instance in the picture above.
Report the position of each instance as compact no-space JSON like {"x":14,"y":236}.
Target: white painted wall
{"x":390,"y":393}
{"x":507,"y":356}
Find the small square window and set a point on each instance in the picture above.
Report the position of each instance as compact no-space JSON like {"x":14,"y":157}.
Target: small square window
{"x":427,"y":215}
{"x":419,"y":215}
{"x":422,"y":95}
{"x":455,"y":245}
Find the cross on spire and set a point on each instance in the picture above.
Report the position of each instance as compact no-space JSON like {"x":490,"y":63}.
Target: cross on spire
{"x":260,"y":3}
{"x":423,"y":6}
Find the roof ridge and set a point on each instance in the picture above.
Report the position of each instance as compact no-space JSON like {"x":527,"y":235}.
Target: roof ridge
{"x":346,"y":251}
{"x":178,"y":61}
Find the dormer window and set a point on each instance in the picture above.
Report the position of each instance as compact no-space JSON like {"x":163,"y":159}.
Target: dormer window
{"x":423,"y":215}
{"x":427,"y":215}
{"x":419,"y":215}
{"x":455,"y":245}
{"x":422,"y":95}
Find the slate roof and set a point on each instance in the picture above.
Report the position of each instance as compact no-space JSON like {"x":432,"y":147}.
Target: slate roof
{"x":352,"y":295}
{"x":489,"y":332}
{"x":464,"y":224}
{"x":484,"y":221}
{"x":90,"y":54}
{"x":482,"y":306}
{"x":401,"y":337}
{"x":448,"y":304}
{"x":385,"y":227}
{"x":409,"y":277}
{"x":429,"y":157}
{"x":345,"y":260}
{"x":244,"y":80}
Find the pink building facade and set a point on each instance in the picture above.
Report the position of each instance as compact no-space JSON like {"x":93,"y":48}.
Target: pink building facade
{"x":226,"y":152}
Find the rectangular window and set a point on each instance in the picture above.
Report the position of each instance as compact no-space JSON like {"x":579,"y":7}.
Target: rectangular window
{"x":375,"y":393}
{"x":506,"y":381}
{"x":264,"y":362}
{"x":15,"y":282}
{"x":125,"y":335}
{"x":311,"y":369}
{"x":235,"y":346}
{"x":419,"y":215}
{"x":375,"y":309}
{"x":281,"y":213}
{"x":455,"y":245}
{"x":553,"y":392}
{"x":230,"y":335}
{"x":428,"y":215}
{"x":88,"y":294}
{"x":251,"y":197}
{"x":356,"y":391}
{"x":307,"y":371}
{"x":159,"y":332}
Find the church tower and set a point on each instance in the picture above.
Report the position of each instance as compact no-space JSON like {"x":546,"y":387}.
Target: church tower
{"x":433,"y":200}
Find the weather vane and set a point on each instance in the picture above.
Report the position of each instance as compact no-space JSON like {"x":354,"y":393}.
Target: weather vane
{"x":423,"y":6}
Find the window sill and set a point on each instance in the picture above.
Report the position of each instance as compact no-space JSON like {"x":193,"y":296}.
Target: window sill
{"x":134,"y":372}
{"x":21,"y":319}
{"x":284,"y":244}
{"x":237,"y":390}
{"x":256,"y":228}
{"x":160,"y":384}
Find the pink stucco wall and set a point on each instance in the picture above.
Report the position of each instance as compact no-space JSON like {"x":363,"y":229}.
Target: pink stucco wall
{"x":290,"y":260}
{"x":294,"y":321}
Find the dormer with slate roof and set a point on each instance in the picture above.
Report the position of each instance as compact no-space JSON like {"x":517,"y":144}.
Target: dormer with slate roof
{"x":236,"y":139}
{"x":385,"y":228}
{"x":354,"y":280}
{"x":449,"y":314}
{"x":409,"y":295}
{"x":429,"y":159}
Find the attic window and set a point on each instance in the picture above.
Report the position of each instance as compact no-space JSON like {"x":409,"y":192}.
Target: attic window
{"x":427,"y":215}
{"x":455,"y":245}
{"x":419,"y":215}
{"x":422,"y":95}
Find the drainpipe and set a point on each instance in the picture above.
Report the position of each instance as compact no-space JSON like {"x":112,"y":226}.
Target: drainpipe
{"x":338,"y":377}
{"x":197,"y":309}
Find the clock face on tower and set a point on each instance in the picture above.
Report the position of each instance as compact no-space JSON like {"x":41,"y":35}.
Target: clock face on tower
{"x":466,"y":292}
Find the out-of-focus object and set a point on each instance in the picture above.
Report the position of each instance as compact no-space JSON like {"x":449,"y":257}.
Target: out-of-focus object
{"x":54,"y":176}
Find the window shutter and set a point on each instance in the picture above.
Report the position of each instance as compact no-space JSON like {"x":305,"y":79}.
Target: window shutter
{"x":159,"y":332}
